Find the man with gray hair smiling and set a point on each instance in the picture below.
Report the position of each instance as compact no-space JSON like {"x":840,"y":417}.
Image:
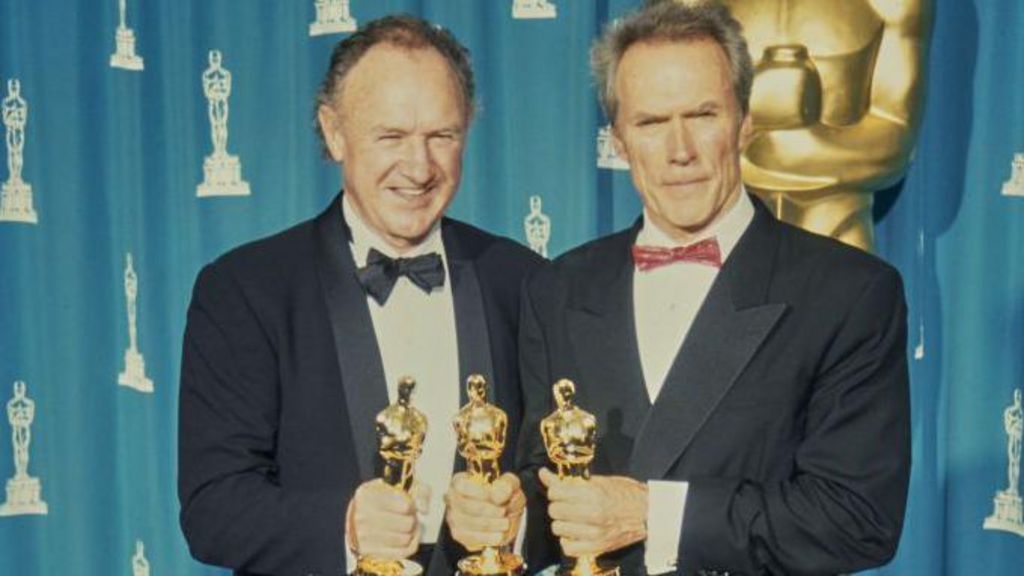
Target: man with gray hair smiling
{"x":749,"y":379}
{"x":295,"y":342}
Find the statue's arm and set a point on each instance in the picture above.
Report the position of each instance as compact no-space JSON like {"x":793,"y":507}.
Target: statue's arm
{"x":872,"y":152}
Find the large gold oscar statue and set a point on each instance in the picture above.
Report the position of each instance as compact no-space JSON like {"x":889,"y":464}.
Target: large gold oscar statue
{"x":570,"y":439}
{"x":481,"y":428}
{"x":401,"y":430}
{"x":836,"y":104}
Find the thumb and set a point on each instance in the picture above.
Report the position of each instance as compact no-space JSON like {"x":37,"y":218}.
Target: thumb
{"x":547,"y":477}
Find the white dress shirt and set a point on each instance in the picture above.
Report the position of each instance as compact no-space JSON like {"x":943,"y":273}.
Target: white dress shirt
{"x":665,"y":302}
{"x":416,"y":336}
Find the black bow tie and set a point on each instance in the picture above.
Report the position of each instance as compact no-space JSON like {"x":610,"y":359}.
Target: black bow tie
{"x":381,"y":272}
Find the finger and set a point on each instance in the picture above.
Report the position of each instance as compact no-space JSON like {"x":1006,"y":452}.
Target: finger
{"x":575,"y":512}
{"x":504,"y":488}
{"x":462,"y":536}
{"x":475,"y":533}
{"x":576,"y":531}
{"x":579,"y":492}
{"x":350,"y":525}
{"x":377,"y":539}
{"x":421,"y":495}
{"x":547,"y":478}
{"x":475,"y":523}
{"x":474,"y":541}
{"x":413,"y":546}
{"x":468,"y":487}
{"x":380,"y":496}
{"x":516,"y":504}
{"x":388,"y":544}
{"x":512,"y":480}
{"x":473,"y":507}
{"x":576,"y":548}
{"x":382,"y":521}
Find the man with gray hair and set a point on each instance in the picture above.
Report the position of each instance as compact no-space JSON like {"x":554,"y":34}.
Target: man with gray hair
{"x":295,"y":342}
{"x":749,"y":379}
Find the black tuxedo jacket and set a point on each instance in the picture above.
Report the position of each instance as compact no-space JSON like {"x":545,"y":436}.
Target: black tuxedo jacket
{"x":281,"y":379}
{"x":786,"y":408}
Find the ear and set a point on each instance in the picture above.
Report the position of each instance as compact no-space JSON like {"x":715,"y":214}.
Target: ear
{"x":619,"y":144}
{"x":330,"y":126}
{"x":746,"y":131}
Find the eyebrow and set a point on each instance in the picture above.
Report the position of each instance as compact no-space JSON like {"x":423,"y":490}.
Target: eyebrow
{"x":706,"y":106}
{"x":385,"y":128}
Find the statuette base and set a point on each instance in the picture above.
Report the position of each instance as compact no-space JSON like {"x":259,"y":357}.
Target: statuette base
{"x":1008,"y":515}
{"x":502,"y":564}
{"x":134,"y":375}
{"x":24,"y":496}
{"x":125,"y":56}
{"x":222,"y":176}
{"x":535,"y":12}
{"x":339,"y":27}
{"x":16,"y":203}
{"x":592,"y":568}
{"x":377,"y":567}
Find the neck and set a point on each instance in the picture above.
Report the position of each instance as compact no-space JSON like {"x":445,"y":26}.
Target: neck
{"x":700,"y":231}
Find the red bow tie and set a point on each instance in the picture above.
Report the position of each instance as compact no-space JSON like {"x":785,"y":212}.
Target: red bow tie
{"x":704,"y":252}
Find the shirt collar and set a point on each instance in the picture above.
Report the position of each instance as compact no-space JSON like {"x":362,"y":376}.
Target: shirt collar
{"x":364,"y":237}
{"x":727,"y":230}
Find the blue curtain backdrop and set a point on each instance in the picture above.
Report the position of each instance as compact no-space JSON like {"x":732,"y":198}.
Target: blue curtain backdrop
{"x":114,"y":157}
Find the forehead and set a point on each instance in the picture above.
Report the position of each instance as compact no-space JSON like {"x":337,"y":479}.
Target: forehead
{"x":666,"y":72}
{"x":397,"y":77}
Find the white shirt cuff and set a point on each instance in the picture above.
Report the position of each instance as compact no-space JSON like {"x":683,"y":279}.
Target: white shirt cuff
{"x":666,"y":504}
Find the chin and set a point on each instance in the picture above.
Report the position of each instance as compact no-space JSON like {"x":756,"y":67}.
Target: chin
{"x":411,"y":234}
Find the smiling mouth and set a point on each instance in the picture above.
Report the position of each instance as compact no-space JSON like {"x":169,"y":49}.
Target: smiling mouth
{"x":411,"y":193}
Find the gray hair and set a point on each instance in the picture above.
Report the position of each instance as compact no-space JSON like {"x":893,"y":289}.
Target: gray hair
{"x":403,"y":31}
{"x":673,"y":21}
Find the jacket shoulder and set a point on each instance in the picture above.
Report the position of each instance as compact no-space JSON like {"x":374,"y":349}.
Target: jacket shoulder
{"x":588,"y":260}
{"x":808,"y":250}
{"x":274,"y":260}
{"x":491,"y":250}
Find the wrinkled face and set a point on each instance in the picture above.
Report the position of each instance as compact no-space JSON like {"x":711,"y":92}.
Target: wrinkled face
{"x":681,"y":129}
{"x":398,"y":129}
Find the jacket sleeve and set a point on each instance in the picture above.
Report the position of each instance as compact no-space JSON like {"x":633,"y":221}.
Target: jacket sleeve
{"x":234,"y":513}
{"x":841,"y":509}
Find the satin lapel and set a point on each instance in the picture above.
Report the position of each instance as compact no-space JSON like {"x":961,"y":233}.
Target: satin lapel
{"x":355,"y":343}
{"x":729,"y":328}
{"x":600,"y":320}
{"x":473,"y":339}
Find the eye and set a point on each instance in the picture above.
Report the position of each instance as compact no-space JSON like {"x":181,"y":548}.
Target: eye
{"x":647,"y":122}
{"x":445,"y":138}
{"x":389,"y":137}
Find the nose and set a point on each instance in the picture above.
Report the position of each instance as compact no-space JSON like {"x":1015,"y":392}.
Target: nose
{"x":680,"y":147}
{"x":418,"y":162}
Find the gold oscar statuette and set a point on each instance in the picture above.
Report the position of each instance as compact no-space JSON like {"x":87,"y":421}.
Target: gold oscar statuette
{"x":570,"y":435}
{"x":480,"y":428}
{"x":401,"y":429}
